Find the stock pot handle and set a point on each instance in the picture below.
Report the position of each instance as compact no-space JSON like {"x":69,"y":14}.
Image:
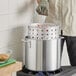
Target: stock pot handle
{"x":25,"y":40}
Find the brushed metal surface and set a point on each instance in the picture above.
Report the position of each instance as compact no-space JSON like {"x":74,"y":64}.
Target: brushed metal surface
{"x":43,"y":55}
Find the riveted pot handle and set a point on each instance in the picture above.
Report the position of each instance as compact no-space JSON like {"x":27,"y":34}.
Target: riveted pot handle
{"x":25,"y":40}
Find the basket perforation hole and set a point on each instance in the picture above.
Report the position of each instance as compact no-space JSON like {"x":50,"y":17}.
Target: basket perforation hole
{"x":32,"y":37}
{"x":55,"y":30}
{"x":55,"y":33}
{"x":41,"y":37}
{"x":37,"y":37}
{"x":51,"y":29}
{"x":33,"y":30}
{"x":51,"y":37}
{"x":42,"y":34}
{"x":51,"y":33}
{"x":32,"y":33}
{"x":47,"y":30}
{"x":55,"y":36}
{"x":42,"y":30}
{"x":47,"y":34}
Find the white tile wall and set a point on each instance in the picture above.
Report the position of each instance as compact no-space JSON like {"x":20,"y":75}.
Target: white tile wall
{"x":3,"y":6}
{"x":12,"y":20}
{"x":4,"y":37}
{"x":14,"y":12}
{"x":21,"y":2}
{"x":14,"y":16}
{"x":3,"y":22}
{"x":13,"y":6}
{"x":25,"y":18}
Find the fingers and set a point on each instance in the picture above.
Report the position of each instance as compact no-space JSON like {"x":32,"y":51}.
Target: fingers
{"x":42,"y":10}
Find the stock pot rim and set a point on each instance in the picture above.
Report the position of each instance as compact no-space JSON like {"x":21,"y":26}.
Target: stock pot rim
{"x":26,"y":37}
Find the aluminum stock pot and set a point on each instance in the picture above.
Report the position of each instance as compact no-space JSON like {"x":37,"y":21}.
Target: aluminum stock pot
{"x":43,"y":48}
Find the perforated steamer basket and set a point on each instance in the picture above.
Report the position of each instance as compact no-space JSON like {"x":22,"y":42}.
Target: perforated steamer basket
{"x":43,"y":31}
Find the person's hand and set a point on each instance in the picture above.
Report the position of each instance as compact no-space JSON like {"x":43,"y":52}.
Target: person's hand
{"x":43,"y":7}
{"x":42,"y":10}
